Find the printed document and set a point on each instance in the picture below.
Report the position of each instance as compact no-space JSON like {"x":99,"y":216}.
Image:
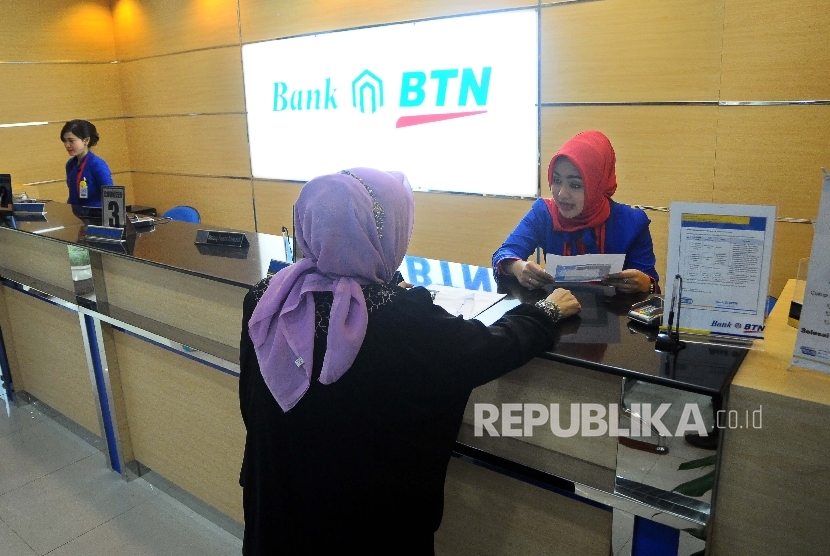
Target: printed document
{"x":582,"y":268}
{"x":722,"y":253}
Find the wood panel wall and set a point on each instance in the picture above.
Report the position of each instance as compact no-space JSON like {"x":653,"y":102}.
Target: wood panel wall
{"x":662,"y":79}
{"x":56,"y":64}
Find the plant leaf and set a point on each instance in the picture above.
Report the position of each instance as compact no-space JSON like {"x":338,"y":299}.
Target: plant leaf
{"x":695,"y":463}
{"x":697,"y":487}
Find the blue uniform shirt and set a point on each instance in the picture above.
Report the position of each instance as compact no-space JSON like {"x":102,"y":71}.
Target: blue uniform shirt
{"x":626,"y":232}
{"x":96,"y":173}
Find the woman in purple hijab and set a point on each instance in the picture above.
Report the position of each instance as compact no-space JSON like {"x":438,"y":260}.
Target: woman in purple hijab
{"x":353,"y":390}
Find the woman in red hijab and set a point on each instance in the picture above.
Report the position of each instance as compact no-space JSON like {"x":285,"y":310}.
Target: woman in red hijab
{"x":581,"y":218}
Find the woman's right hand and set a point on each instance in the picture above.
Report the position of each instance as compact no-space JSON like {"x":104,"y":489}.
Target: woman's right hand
{"x":568,"y":304}
{"x":530,"y":274}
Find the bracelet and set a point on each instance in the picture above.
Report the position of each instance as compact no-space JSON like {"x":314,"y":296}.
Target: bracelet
{"x":652,"y":284}
{"x":551,"y":309}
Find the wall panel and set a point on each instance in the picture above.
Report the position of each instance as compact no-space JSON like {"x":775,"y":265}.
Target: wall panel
{"x":792,"y":243}
{"x":664,"y":153}
{"x":184,"y":421}
{"x":462,"y":228}
{"x":488,"y":514}
{"x":59,"y":92}
{"x":275,"y":205}
{"x":49,"y":30}
{"x":38,"y":154}
{"x":153,"y":27}
{"x":222,"y":202}
{"x":214,"y":145}
{"x":773,"y":155}
{"x":51,"y":358}
{"x":776,"y":50}
{"x":203,"y":81}
{"x":268,"y":19}
{"x":631,"y":50}
{"x":659,"y":229}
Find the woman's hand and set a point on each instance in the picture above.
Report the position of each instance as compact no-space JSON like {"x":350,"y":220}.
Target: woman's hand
{"x":629,"y":281}
{"x":568,"y":305}
{"x":529,"y":274}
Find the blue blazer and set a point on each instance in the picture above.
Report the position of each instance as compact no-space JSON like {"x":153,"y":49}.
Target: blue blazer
{"x":97,"y":174}
{"x":626,"y":232}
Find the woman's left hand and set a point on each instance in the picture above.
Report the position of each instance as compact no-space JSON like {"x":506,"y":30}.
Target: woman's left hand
{"x":629,"y":281}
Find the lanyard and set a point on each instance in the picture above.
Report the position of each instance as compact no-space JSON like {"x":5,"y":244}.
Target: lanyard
{"x":81,"y":167}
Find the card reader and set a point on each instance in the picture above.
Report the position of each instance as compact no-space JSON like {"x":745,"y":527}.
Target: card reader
{"x":649,"y":312}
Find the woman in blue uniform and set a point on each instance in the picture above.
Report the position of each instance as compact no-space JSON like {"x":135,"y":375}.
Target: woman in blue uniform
{"x":86,"y":172}
{"x":581,"y":218}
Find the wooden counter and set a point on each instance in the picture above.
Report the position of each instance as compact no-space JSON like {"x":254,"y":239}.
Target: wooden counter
{"x":773,"y":492}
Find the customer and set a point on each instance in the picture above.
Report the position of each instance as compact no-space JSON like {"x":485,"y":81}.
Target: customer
{"x":352,"y":390}
{"x":581,"y":218}
{"x":86,"y":172}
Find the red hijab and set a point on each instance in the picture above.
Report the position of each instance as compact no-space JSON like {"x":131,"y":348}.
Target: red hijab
{"x":592,"y":154}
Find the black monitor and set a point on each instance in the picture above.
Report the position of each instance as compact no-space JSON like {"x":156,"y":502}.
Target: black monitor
{"x":6,"y":199}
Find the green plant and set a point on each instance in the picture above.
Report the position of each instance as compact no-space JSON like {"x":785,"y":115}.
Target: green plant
{"x":697,"y":487}
{"x":703,"y":484}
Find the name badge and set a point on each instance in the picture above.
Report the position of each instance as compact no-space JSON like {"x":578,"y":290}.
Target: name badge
{"x":83,"y":190}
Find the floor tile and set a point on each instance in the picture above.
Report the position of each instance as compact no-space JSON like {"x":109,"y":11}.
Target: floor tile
{"x":36,"y":451}
{"x":11,"y":544}
{"x":149,"y":529}
{"x":65,"y":504}
{"x":689,"y":545}
{"x":223,"y":540}
{"x":622,"y":531}
{"x":13,"y":418}
{"x":634,"y":464}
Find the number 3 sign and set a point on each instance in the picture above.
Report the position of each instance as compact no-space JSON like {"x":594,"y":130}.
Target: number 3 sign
{"x":114,"y":210}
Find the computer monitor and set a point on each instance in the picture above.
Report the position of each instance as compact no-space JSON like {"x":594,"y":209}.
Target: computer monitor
{"x":6,"y":199}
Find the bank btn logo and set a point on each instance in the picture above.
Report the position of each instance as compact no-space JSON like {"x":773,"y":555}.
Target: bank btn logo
{"x":367,"y":84}
{"x":466,"y":90}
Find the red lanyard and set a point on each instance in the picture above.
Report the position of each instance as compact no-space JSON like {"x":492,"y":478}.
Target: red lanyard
{"x":81,"y":167}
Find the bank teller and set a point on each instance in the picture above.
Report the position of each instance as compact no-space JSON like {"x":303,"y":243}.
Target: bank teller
{"x":581,"y":218}
{"x":86,"y":172}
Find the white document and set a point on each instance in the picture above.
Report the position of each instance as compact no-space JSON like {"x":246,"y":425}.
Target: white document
{"x":722,"y":253}
{"x":812,"y":344}
{"x":582,"y":268}
{"x":464,"y":303}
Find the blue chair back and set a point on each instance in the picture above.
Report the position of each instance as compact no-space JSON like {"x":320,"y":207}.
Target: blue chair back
{"x":183,"y":213}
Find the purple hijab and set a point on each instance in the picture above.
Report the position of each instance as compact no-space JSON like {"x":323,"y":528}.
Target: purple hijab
{"x":353,"y":229}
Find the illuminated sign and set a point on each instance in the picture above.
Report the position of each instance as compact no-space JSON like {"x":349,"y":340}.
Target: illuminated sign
{"x":452,"y":103}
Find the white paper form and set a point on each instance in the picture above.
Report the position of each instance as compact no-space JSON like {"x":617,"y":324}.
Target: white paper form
{"x":460,"y":302}
{"x":582,"y":268}
{"x":723,"y":254}
{"x":812,"y":344}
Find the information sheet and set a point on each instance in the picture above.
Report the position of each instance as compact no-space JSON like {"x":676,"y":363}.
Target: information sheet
{"x":582,"y":268}
{"x":812,"y":344}
{"x":723,"y":254}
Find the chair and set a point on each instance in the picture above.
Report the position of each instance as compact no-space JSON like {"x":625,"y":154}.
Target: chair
{"x":183,"y":213}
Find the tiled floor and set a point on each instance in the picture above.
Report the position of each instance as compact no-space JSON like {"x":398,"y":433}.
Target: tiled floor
{"x":57,"y":497}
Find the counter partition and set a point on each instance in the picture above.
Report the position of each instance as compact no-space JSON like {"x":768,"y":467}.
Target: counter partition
{"x":138,"y":345}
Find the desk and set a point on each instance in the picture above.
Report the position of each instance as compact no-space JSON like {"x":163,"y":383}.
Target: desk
{"x":773,"y":490}
{"x":163,"y":322}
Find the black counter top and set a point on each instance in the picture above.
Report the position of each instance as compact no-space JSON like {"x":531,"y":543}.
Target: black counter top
{"x":168,"y":244}
{"x":603,"y":338}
